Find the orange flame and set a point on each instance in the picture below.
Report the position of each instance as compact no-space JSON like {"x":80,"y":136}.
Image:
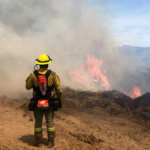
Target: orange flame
{"x":77,"y":76}
{"x":85,"y":74}
{"x":136,"y":92}
{"x":90,"y":73}
{"x":93,"y":67}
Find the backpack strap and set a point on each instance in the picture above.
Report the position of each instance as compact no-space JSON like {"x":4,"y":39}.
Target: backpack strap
{"x":36,"y":73}
{"x":48,"y":73}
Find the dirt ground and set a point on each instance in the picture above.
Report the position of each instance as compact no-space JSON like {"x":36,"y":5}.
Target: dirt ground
{"x":75,"y":129}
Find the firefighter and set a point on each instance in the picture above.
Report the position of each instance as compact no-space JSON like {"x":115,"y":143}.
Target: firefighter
{"x":53,"y":83}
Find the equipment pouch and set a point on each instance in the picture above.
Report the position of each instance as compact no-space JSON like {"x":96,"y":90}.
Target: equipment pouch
{"x":55,"y":104}
{"x":31,"y":104}
{"x":43,"y":104}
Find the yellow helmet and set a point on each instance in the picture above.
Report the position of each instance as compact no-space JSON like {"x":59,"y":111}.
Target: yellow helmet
{"x":43,"y":60}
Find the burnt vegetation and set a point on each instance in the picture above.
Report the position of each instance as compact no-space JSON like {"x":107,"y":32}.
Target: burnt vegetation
{"x":113,"y":102}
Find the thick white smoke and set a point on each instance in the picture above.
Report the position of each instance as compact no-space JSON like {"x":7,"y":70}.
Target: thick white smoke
{"x":65,"y":30}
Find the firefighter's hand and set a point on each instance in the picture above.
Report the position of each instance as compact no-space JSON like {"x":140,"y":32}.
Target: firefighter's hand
{"x":60,"y":103}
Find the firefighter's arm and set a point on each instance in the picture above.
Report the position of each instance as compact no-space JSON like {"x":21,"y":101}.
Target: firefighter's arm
{"x":58,"y":89}
{"x":29,"y":83}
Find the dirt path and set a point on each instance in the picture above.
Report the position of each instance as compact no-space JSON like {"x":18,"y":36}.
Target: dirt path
{"x":74,"y":130}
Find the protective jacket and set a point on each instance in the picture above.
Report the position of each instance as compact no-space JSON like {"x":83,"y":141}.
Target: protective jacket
{"x":53,"y":80}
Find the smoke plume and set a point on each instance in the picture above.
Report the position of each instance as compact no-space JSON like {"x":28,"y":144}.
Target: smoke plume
{"x":65,"y":30}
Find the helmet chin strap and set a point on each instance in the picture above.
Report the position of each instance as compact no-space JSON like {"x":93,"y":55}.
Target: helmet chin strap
{"x":35,"y":67}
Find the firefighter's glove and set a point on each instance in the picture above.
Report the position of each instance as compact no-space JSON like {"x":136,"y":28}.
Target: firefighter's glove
{"x":60,"y":103}
{"x":59,"y":96}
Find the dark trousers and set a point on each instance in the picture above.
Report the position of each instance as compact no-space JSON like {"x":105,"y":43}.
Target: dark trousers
{"x":49,"y":115}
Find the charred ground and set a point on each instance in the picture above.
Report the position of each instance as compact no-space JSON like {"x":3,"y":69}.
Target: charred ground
{"x":113,"y":102}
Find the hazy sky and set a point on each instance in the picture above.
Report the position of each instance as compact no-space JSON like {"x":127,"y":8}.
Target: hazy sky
{"x":130,"y":20}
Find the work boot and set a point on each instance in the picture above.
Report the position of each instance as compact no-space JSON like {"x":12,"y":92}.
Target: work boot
{"x":38,"y":137}
{"x":51,"y":136}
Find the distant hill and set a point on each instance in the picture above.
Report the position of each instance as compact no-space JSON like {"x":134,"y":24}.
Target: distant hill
{"x":142,"y":54}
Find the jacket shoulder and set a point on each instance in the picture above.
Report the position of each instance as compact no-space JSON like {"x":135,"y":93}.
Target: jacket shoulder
{"x":53,"y":74}
{"x":32,"y":75}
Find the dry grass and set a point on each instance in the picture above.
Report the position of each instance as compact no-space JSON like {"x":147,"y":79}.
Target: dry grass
{"x":87,"y":138}
{"x":92,"y":102}
{"x":4,"y":147}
